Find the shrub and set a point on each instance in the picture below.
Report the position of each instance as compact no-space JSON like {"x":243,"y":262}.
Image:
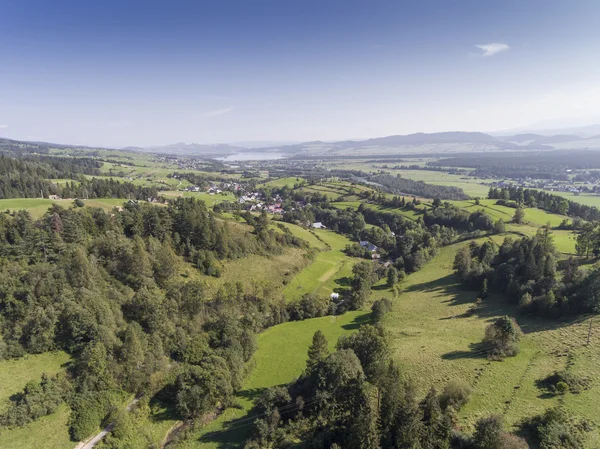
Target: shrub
{"x":502,"y":337}
{"x":558,"y":428}
{"x":455,"y":395}
{"x":568,"y":382}
{"x":379,"y":309}
{"x":36,"y":400}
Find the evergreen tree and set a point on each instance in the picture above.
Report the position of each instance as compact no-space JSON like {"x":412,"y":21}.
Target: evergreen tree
{"x":317,"y":351}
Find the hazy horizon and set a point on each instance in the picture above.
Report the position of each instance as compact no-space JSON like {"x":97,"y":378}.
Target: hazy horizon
{"x":147,"y":73}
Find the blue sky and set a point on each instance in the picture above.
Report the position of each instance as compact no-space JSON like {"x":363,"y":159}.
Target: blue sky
{"x":120,"y":73}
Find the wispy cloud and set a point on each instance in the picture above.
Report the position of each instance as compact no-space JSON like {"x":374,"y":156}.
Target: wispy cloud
{"x":217,"y":112}
{"x":492,"y":49}
{"x":3,"y":126}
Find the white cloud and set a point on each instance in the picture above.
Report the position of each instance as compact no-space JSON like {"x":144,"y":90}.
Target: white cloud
{"x":3,"y":126}
{"x":218,"y":112}
{"x":492,"y":49}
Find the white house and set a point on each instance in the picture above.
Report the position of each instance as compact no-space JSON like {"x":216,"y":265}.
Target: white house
{"x":318,"y":225}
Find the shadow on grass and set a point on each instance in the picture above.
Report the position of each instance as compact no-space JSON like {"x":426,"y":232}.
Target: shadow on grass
{"x":236,"y":431}
{"x":365,"y":318}
{"x":344,"y":281}
{"x":494,"y":306}
{"x":476,"y":351}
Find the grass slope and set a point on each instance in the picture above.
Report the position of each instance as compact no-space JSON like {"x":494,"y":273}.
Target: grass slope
{"x":436,"y":341}
{"x":328,"y":272}
{"x":38,"y":206}
{"x":52,"y":429}
{"x":280,"y":358}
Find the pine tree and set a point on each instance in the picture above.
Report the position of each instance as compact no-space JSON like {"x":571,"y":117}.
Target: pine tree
{"x":317,"y":351}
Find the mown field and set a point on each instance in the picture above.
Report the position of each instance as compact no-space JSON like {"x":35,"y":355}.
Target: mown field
{"x":330,"y":271}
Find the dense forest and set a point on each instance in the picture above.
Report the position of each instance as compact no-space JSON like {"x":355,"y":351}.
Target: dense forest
{"x":106,"y":288}
{"x":550,"y":165}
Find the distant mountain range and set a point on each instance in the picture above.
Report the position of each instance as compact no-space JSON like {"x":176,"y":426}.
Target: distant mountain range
{"x":398,"y":145}
{"x":444,"y":142}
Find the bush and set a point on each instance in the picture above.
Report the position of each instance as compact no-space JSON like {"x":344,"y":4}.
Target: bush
{"x":79,"y":202}
{"x":502,"y":337}
{"x":379,"y":309}
{"x":36,"y":400}
{"x":455,"y":395}
{"x":563,"y":381}
{"x":558,"y":428}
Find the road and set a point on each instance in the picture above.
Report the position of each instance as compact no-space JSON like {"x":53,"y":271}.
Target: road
{"x":91,"y":442}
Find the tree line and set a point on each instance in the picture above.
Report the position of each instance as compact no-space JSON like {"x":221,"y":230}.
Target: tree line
{"x":31,"y":177}
{"x":545,"y":201}
{"x":398,"y":185}
{"x":526,"y":271}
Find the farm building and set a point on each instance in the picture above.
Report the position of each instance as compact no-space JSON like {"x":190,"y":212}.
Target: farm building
{"x":368,"y":245}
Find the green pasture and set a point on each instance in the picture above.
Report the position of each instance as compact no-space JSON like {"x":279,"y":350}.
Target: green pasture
{"x":328,"y":272}
{"x":52,"y":430}
{"x":280,"y":358}
{"x":436,"y":341}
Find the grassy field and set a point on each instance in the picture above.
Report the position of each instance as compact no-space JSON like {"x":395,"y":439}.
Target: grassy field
{"x":537,"y":217}
{"x":328,"y":272}
{"x":283,"y":182}
{"x":306,"y":234}
{"x":583,"y":198}
{"x":435,"y":341}
{"x":280,"y":358}
{"x":52,"y":429}
{"x":39,"y":206}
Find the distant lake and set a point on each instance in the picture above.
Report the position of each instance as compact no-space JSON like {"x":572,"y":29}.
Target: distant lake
{"x":251,"y":156}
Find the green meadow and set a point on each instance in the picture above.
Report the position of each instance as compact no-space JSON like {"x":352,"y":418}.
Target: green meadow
{"x":435,"y":340}
{"x":328,"y":272}
{"x":280,"y":358}
{"x":52,"y":429}
{"x":39,"y":206}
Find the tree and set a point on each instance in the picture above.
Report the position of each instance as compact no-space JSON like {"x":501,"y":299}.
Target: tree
{"x":392,"y":276}
{"x":379,"y":309}
{"x":488,"y":433}
{"x":370,"y":346}
{"x":317,"y":351}
{"x":484,"y":289}
{"x":199,"y":388}
{"x":462,"y":263}
{"x":499,"y":227}
{"x":502,"y":336}
{"x":519,"y":216}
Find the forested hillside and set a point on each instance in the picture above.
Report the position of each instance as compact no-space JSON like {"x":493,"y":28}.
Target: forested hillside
{"x":107,"y":289}
{"x":30,"y":177}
